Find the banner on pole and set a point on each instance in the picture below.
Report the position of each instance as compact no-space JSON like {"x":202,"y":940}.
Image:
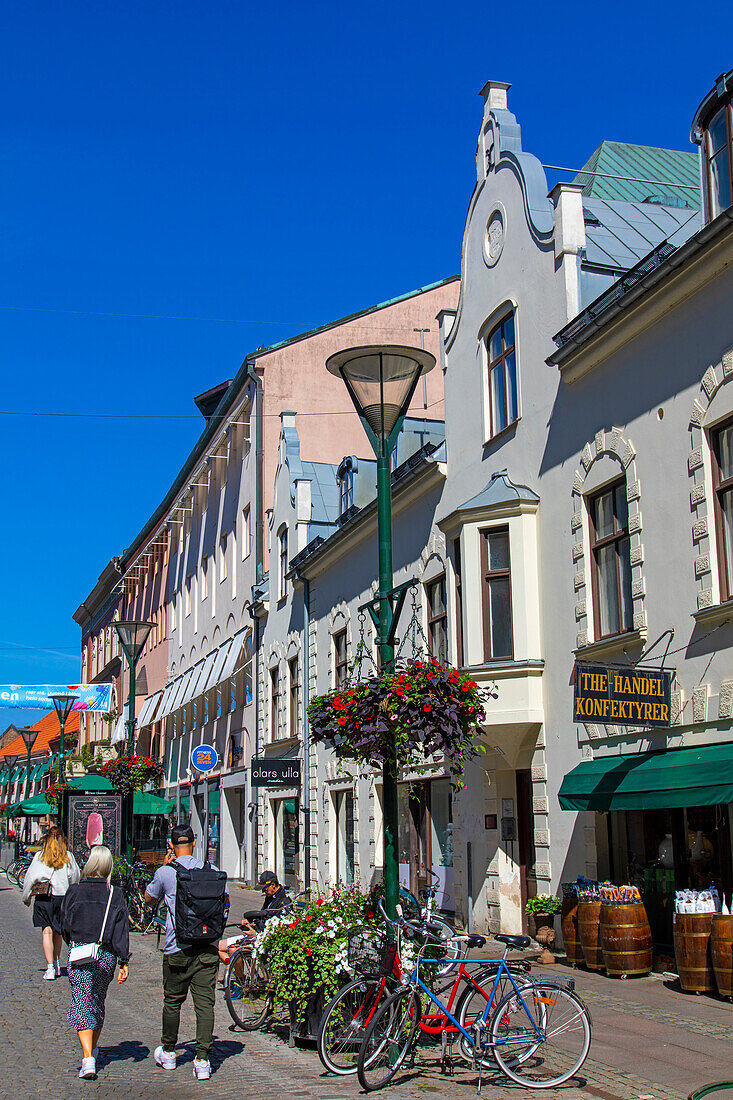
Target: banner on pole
{"x":95,"y":697}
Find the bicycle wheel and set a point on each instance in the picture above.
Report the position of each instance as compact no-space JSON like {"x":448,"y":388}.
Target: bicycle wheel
{"x":388,"y":1039}
{"x":472,"y":1005}
{"x":12,"y":872}
{"x":563,"y":1024}
{"x":247,"y":990}
{"x":344,"y":1023}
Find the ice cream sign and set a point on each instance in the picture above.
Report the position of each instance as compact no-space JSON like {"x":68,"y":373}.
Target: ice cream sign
{"x":204,"y":758}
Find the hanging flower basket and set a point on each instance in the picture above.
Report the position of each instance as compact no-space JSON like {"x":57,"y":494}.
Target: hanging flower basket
{"x":55,"y":792}
{"x":133,"y":773}
{"x":423,"y":708}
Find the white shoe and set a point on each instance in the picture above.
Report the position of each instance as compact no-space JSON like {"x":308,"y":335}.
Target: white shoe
{"x":88,"y":1068}
{"x":50,"y":974}
{"x":201,"y":1069}
{"x":165,"y":1058}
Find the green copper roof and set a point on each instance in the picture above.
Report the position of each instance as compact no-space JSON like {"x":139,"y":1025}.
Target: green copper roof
{"x":658,"y":169}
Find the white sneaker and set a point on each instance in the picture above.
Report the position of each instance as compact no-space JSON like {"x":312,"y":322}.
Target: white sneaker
{"x":50,"y":974}
{"x":88,"y":1068}
{"x":165,"y":1058}
{"x":201,"y":1069}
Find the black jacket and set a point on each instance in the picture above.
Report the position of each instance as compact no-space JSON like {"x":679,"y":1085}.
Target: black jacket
{"x":82,"y":913}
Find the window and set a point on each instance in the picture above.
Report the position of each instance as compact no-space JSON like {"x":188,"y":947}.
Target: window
{"x":437,"y":618}
{"x":346,"y":486}
{"x":223,"y":572}
{"x":282,"y":539}
{"x":502,"y":359}
{"x":187,"y":598}
{"x":205,"y":704}
{"x":294,"y":696}
{"x":723,"y":484}
{"x":496,"y":594}
{"x":344,"y":806}
{"x":610,"y":560}
{"x":244,"y":534}
{"x":459,"y":601}
{"x":718,"y":146}
{"x":274,"y":703}
{"x":232,"y":694}
{"x":195,"y":712}
{"x":205,"y":579}
{"x":340,"y":660}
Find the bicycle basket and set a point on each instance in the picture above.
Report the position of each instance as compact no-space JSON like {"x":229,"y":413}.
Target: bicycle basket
{"x":371,"y":955}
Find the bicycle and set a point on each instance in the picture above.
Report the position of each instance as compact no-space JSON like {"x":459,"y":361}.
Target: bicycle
{"x":16,"y":870}
{"x":248,"y":989}
{"x":540,"y":1050}
{"x":379,"y":965}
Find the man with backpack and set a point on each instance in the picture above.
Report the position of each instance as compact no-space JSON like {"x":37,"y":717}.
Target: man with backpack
{"x":197,"y":900}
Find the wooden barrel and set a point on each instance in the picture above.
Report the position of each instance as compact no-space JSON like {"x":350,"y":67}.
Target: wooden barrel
{"x":626,"y":938}
{"x":589,"y":933}
{"x":692,"y":952}
{"x":569,"y":924}
{"x":721,"y":952}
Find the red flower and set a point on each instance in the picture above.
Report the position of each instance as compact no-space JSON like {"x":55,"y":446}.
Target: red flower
{"x":407,"y":687}
{"x":466,"y":687}
{"x":308,"y":917}
{"x":320,"y":901}
{"x":427,"y":708}
{"x":418,"y":664}
{"x":399,"y":691}
{"x":370,"y":914}
{"x":342,"y":721}
{"x":308,"y":951}
{"x":436,"y":663}
{"x":429,"y":676}
{"x":293,"y":925}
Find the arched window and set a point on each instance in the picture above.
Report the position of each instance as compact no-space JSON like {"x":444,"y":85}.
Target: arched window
{"x":610,"y":559}
{"x":501,"y":357}
{"x":345,"y":477}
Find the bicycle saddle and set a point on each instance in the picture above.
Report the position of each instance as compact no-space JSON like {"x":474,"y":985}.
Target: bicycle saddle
{"x":513,"y":941}
{"x":475,"y":941}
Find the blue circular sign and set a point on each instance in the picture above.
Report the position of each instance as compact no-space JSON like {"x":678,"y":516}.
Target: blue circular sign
{"x":204,"y":758}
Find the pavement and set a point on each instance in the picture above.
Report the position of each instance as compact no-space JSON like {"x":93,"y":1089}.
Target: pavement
{"x":650,"y":1040}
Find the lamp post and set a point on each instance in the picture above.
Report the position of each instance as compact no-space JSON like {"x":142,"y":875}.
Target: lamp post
{"x":381,"y":380}
{"x":29,"y":736}
{"x":132,"y":635}
{"x":63,"y":705}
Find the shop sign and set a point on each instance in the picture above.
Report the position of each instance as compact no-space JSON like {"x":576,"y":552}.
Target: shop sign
{"x":622,"y":695}
{"x":275,"y":773}
{"x":204,"y":758}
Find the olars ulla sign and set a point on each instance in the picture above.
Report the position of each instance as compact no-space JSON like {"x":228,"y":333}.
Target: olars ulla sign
{"x":624,"y":696}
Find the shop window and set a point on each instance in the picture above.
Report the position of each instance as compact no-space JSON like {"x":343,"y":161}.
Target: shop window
{"x":719,"y":160}
{"x":282,"y":539}
{"x":437,"y":618}
{"x":344,"y":805}
{"x":496,"y":594}
{"x":722,"y":451}
{"x":294,"y":696}
{"x":610,"y":560}
{"x":287,"y":841}
{"x":502,"y":375}
{"x":340,"y":659}
{"x":274,"y":703}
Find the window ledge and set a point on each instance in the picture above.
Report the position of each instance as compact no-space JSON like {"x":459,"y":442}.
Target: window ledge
{"x":610,"y":647}
{"x":505,"y":669}
{"x":282,"y":743}
{"x":714,"y":616}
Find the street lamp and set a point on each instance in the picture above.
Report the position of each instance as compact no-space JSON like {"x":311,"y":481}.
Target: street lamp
{"x":29,"y":736}
{"x":132,"y":636}
{"x":63,"y":705}
{"x":381,"y":380}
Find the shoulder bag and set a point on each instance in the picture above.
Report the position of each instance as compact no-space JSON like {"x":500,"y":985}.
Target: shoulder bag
{"x":85,"y":953}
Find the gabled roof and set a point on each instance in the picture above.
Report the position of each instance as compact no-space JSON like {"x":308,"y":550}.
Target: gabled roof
{"x":619,"y":234}
{"x":501,"y":490}
{"x":652,"y":174}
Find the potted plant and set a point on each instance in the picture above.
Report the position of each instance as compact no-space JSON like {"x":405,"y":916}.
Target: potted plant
{"x":133,"y":773}
{"x":542,"y":910}
{"x":421,"y":707}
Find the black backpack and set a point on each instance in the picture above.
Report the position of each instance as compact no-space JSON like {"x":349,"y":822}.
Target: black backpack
{"x":201,"y":902}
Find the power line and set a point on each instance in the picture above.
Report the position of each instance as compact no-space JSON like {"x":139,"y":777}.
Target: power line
{"x":144,"y":316}
{"x":167,"y":416}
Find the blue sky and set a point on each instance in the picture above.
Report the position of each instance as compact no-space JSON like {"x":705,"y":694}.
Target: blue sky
{"x":183,"y":182}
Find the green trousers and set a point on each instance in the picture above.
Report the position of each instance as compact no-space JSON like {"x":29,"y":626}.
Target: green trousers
{"x":194,"y":970}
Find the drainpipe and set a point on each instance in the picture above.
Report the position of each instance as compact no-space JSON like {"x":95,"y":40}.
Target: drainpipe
{"x":306,"y":736}
{"x":253,"y":796}
{"x":259,"y":468}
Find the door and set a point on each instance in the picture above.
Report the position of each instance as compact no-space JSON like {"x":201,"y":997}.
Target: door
{"x":525,"y":837}
{"x":287,"y":842}
{"x":413,"y":804}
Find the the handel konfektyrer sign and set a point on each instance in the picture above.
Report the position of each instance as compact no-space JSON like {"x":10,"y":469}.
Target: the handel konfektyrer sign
{"x":625,"y":696}
{"x":275,"y":773}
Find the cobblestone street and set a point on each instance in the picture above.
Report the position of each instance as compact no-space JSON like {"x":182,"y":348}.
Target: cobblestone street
{"x":650,"y":1042}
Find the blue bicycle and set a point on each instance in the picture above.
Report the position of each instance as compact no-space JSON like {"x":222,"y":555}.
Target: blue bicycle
{"x":539,"y":1035}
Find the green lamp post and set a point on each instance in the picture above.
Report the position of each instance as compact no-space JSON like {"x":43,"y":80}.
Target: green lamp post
{"x":63,"y":705}
{"x":29,"y":736}
{"x":132,"y":635}
{"x":381,"y":380}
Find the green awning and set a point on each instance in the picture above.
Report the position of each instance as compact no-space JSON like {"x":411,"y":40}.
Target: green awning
{"x":651,"y":780}
{"x":35,"y":807}
{"x":146,"y":803}
{"x":91,"y":782}
{"x":44,"y":768}
{"x":214,"y":802}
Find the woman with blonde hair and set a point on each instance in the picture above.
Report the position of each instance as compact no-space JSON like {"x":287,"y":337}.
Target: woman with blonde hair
{"x":49,"y":876}
{"x":94,"y":914}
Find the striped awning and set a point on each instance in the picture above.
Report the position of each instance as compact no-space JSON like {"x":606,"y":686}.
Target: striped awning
{"x":147,"y":714}
{"x":217,"y":666}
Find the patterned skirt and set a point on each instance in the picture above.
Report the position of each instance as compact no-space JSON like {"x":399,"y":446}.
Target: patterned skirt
{"x":89,"y":984}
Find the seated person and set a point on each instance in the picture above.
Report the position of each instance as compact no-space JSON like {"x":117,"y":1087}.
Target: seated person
{"x":276,"y":901}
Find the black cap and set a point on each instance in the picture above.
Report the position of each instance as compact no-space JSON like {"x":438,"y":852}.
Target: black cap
{"x":266,"y":878}
{"x":182,"y":834}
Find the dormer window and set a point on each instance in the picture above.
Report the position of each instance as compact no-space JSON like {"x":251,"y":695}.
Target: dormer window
{"x":718,"y":155}
{"x":346,"y":486}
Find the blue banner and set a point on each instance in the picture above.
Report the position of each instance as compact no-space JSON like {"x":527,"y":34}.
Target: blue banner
{"x":96,"y":697}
